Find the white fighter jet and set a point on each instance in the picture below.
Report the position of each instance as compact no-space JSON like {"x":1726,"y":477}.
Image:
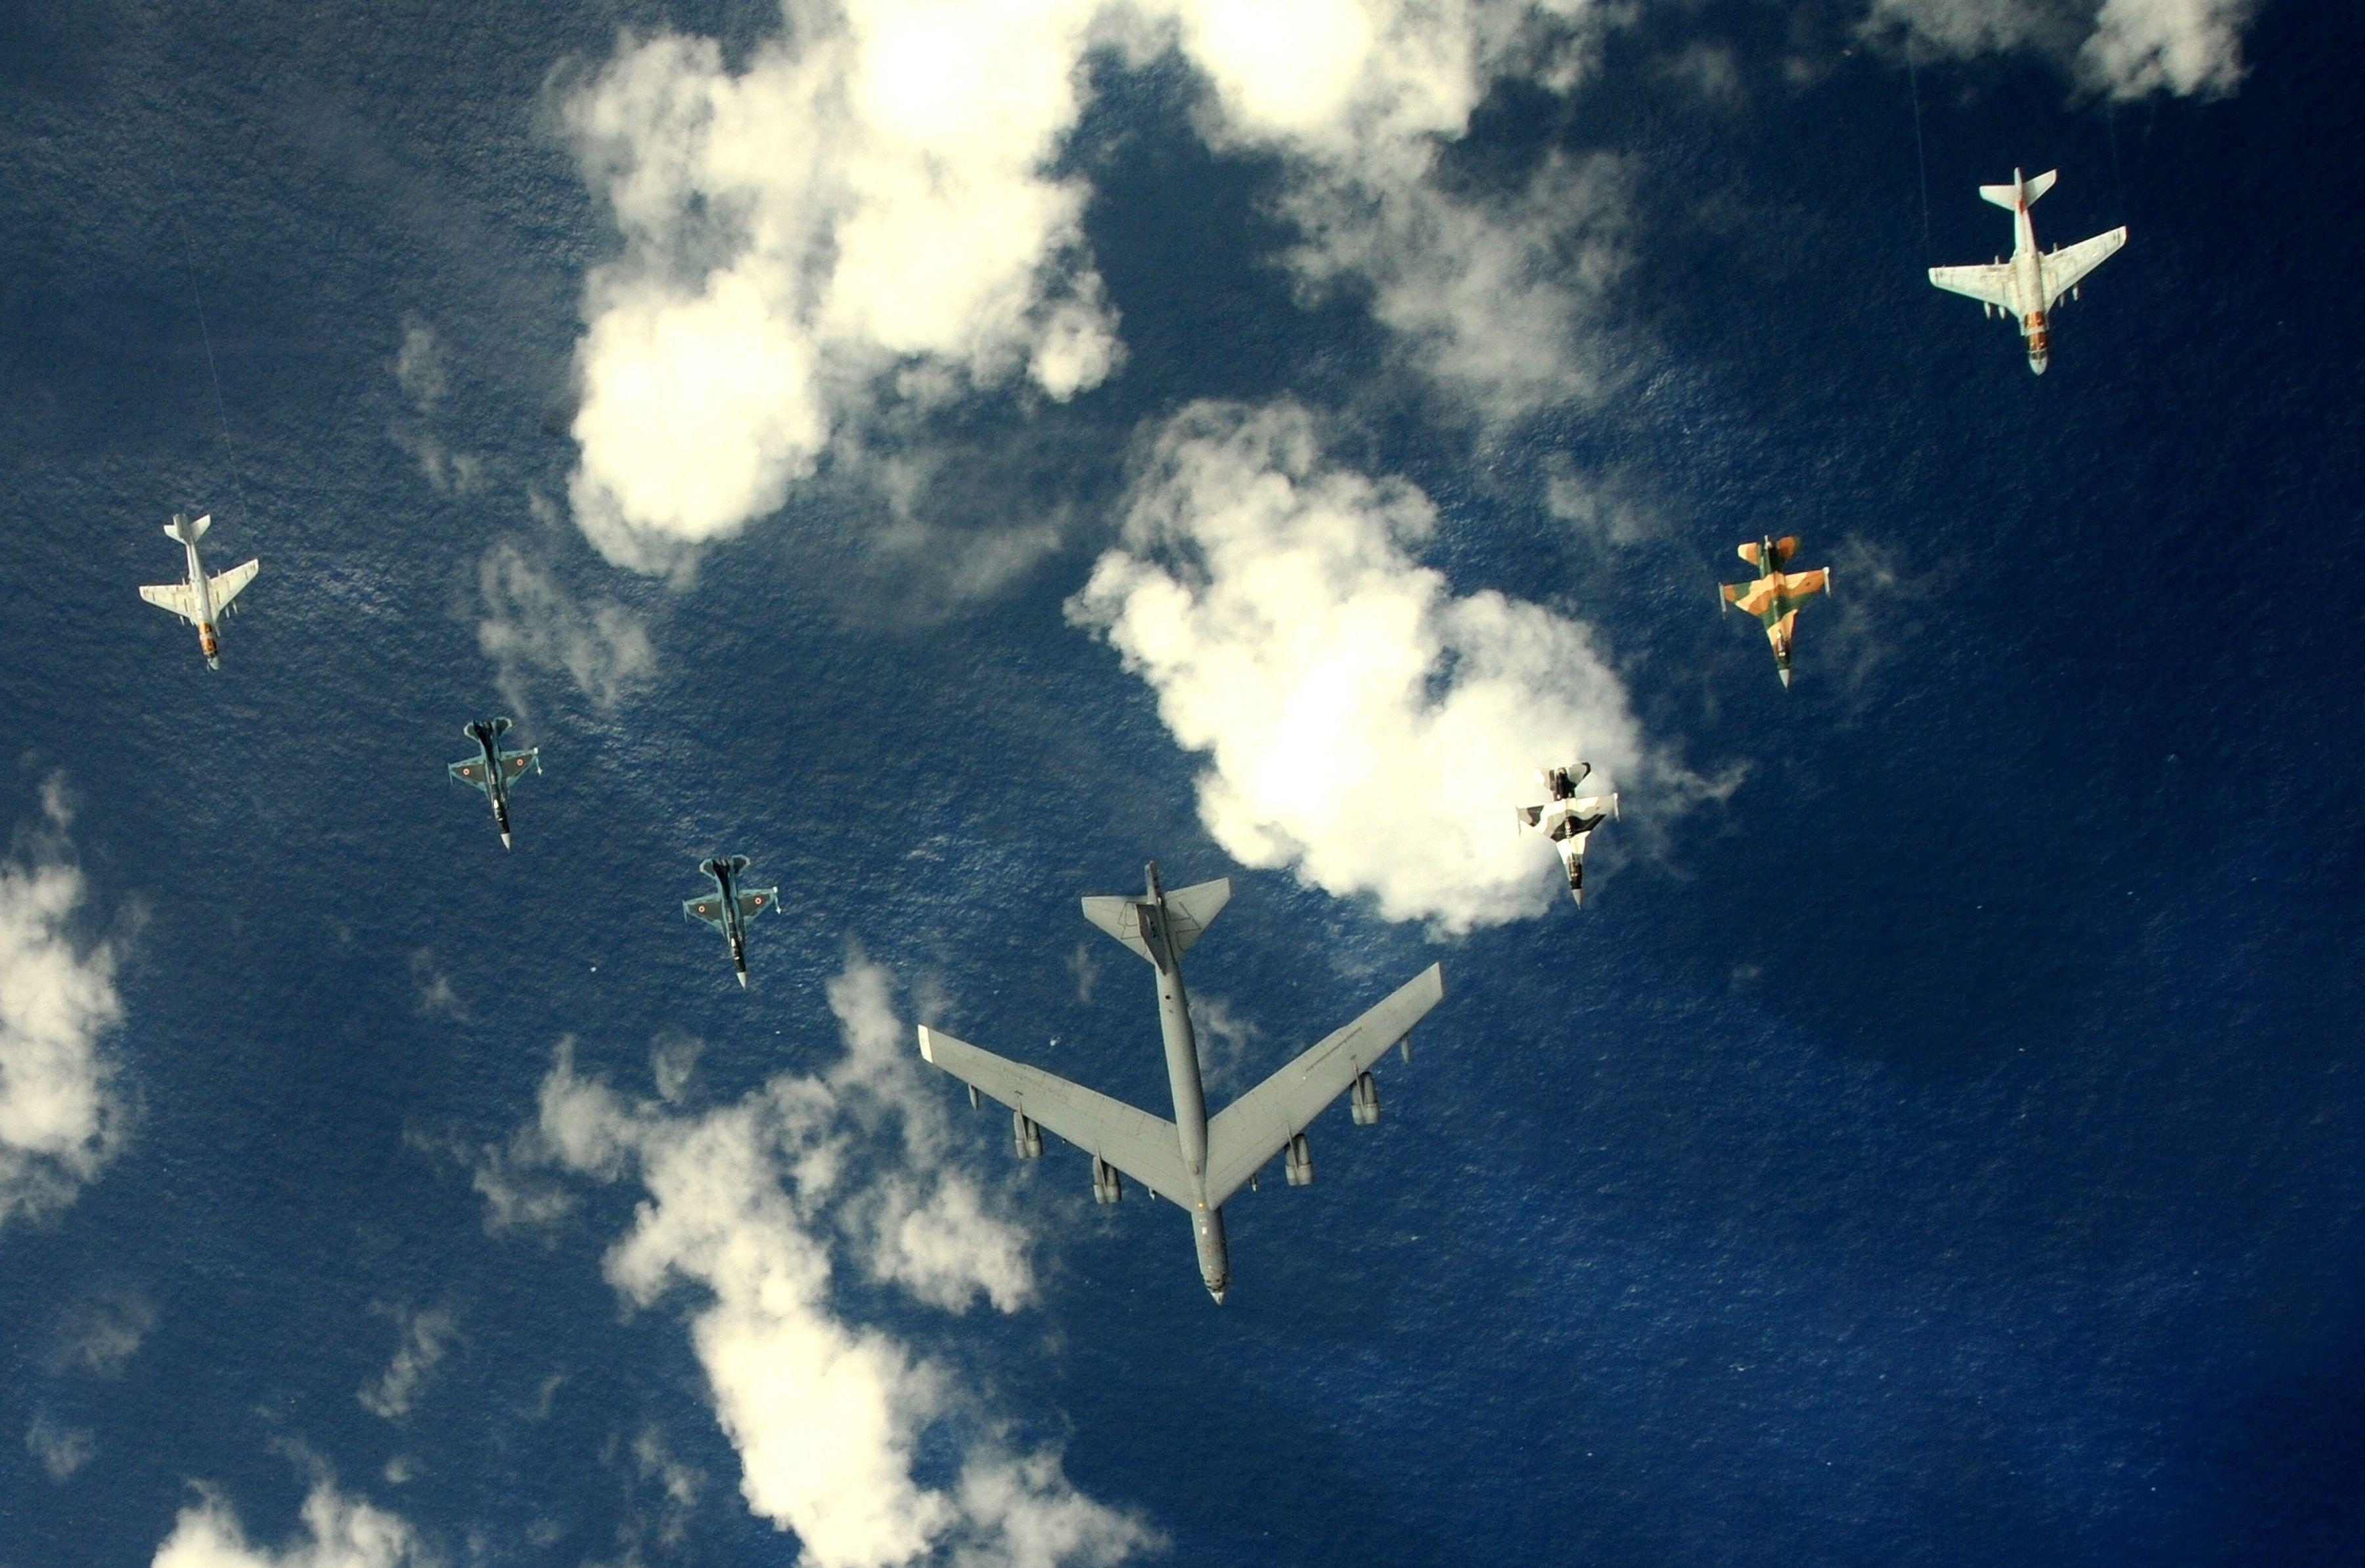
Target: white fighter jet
{"x":200,"y":598}
{"x":2034,"y":281}
{"x":1568,"y":819}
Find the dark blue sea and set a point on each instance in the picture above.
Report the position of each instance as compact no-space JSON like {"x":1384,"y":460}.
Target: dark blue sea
{"x":1946,"y":1146}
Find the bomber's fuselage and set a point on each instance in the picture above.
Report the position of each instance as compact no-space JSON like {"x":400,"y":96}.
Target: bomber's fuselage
{"x":1189,"y":1096}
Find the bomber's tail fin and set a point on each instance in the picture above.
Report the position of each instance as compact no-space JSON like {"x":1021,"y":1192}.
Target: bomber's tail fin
{"x":2023,"y":191}
{"x":1189,"y":912}
{"x":186,"y":531}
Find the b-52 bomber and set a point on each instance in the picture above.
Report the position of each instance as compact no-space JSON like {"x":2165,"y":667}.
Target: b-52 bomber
{"x":1193,"y":1161}
{"x":1568,"y":819}
{"x":2034,"y":281}
{"x":198,"y":599}
{"x":492,"y":770}
{"x":730,"y":907}
{"x":1774,"y":596}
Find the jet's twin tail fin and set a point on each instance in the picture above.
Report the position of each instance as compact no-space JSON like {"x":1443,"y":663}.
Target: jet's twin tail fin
{"x":1189,"y":912}
{"x":2022,"y":191}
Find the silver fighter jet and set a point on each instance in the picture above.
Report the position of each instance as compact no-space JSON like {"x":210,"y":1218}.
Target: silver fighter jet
{"x":2029,"y":284}
{"x":1192,"y":1162}
{"x":200,"y":598}
{"x":1568,"y":819}
{"x":730,"y":907}
{"x":493,"y":770}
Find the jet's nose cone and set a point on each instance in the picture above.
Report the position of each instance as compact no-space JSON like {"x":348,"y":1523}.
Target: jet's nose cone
{"x":505,"y":840}
{"x":743,"y":979}
{"x":212,"y":662}
{"x":2036,"y":363}
{"x":1218,"y":1291}
{"x":1785,"y":673}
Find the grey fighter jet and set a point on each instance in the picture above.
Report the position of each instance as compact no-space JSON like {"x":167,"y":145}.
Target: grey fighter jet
{"x":493,"y":770}
{"x":2034,"y":281}
{"x":199,"y":599}
{"x":730,"y":907}
{"x":1568,"y":819}
{"x":1193,"y":1161}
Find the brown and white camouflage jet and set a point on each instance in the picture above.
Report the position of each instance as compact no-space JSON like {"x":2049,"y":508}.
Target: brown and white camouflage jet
{"x":1774,"y":596}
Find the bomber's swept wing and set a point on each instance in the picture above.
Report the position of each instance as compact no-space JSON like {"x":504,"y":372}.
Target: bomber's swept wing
{"x":1257,"y":1125}
{"x":174,"y":596}
{"x":226,"y":586}
{"x":755,"y":900}
{"x":1989,"y":281}
{"x":2065,"y":266}
{"x":1144,"y":1146}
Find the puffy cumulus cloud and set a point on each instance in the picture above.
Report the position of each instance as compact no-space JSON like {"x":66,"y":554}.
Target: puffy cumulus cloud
{"x":749,"y":1206}
{"x":1363,"y":721}
{"x":1492,"y":293}
{"x":338,"y":1532}
{"x":2125,"y":48}
{"x":59,"y":1117}
{"x":2191,"y":47}
{"x":868,"y":193}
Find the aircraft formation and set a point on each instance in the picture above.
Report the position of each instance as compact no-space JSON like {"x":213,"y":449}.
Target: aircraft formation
{"x":1195,"y":1160}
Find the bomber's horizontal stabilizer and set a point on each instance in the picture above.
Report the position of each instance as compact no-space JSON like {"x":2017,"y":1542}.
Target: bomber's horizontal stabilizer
{"x":1189,"y":912}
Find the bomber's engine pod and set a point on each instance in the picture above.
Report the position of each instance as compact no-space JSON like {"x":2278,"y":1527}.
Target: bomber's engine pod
{"x":1108,"y":1184}
{"x":1026,"y":1136}
{"x":1365,"y":1105}
{"x":1297,"y":1163}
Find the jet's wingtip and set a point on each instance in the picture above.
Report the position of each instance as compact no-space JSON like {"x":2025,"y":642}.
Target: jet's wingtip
{"x":927,"y":1045}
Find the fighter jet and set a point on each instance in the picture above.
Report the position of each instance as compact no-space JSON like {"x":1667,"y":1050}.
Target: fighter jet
{"x":1568,"y":819}
{"x":200,"y":597}
{"x":492,"y":770}
{"x":1774,"y":597}
{"x":1192,"y":1162}
{"x":2030,"y":284}
{"x":730,"y":907}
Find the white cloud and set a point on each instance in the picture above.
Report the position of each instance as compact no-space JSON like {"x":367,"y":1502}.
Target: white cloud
{"x":100,"y":1335}
{"x":338,"y":1532}
{"x":62,"y":1449}
{"x":425,"y":1336}
{"x":420,"y":370}
{"x":745,"y":1205}
{"x":2188,"y":47}
{"x":531,"y":621}
{"x":59,"y":1117}
{"x":1363,"y":721}
{"x":867,"y":191}
{"x":1491,"y":294}
{"x":2126,"y":49}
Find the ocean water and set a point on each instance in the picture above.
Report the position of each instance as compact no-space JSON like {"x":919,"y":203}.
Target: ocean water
{"x":1944,"y":1148}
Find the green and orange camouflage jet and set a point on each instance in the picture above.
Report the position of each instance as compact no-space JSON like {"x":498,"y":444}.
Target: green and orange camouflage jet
{"x":1774,"y":597}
